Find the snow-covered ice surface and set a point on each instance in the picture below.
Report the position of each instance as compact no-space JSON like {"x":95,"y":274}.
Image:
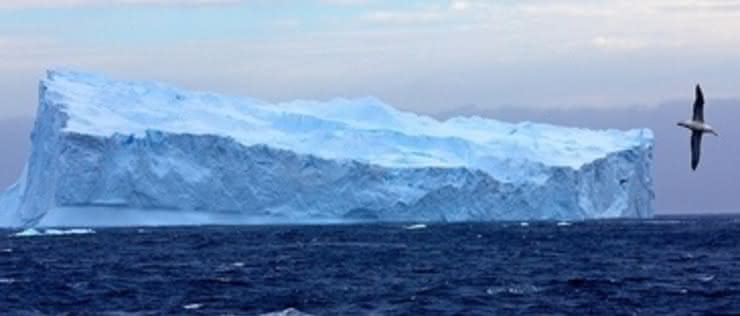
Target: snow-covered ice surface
{"x":121,"y":145}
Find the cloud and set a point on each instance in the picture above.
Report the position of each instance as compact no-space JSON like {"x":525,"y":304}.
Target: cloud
{"x":405,"y":17}
{"x":459,"y":5}
{"x":21,"y":4}
{"x":419,"y":15}
{"x":486,"y":52}
{"x":568,"y":10}
{"x":617,"y":44}
{"x":345,"y":2}
{"x":19,"y":53}
{"x":711,"y":6}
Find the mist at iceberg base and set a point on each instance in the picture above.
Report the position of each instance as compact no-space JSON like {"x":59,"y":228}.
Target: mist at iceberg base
{"x":115,"y":153}
{"x":116,"y":217}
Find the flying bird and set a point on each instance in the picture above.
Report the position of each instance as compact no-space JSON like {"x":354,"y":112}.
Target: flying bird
{"x":698,"y":128}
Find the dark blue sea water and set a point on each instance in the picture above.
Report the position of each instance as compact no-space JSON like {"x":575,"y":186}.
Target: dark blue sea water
{"x":677,"y":266}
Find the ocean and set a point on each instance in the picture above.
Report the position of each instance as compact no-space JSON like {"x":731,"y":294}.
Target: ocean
{"x":686,"y":265}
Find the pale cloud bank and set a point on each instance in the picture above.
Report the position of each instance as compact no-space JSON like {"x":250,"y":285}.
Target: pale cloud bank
{"x":405,"y":17}
{"x":616,"y":44}
{"x":20,"y":4}
{"x":423,"y":56}
{"x":346,"y":2}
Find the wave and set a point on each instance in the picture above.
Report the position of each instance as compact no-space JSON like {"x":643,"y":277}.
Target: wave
{"x":416,"y":226}
{"x":287,"y":312}
{"x":192,"y":306}
{"x":33,"y":232}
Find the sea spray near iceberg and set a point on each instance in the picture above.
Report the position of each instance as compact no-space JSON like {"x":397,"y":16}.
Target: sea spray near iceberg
{"x":101,"y":144}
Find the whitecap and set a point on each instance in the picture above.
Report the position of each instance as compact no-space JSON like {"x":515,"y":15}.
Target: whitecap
{"x":192,"y":306}
{"x":32,"y":232}
{"x":74,"y":231}
{"x":663,"y":222}
{"x":513,"y":290}
{"x":238,"y":264}
{"x":564,"y":224}
{"x":524,"y":224}
{"x":706,"y":278}
{"x":287,"y":312}
{"x":416,"y":226}
{"x":27,"y":233}
{"x":6,"y":281}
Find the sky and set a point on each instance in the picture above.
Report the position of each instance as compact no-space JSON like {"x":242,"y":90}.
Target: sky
{"x":431,"y":57}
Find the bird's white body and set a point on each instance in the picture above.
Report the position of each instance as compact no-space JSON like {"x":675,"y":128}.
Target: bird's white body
{"x":697,"y":126}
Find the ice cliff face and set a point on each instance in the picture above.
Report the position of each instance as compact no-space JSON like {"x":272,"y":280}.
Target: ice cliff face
{"x":100,"y":144}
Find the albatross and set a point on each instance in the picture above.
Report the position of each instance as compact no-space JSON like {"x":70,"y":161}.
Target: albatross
{"x":697,"y":127}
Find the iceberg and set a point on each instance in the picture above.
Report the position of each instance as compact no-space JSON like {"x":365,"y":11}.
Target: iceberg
{"x":103,"y":147}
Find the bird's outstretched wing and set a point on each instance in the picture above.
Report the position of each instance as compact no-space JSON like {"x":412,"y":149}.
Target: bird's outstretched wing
{"x":695,"y":148}
{"x":699,"y":105}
